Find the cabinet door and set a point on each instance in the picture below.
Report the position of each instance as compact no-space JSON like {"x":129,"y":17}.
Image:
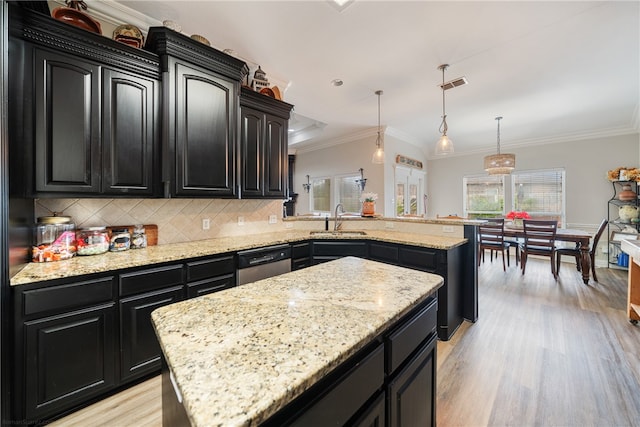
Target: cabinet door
{"x":67,"y":127}
{"x":68,"y":359}
{"x":204,"y":133}
{"x":139,"y":348}
{"x":412,"y":393}
{"x":128,"y":129}
{"x":251,"y":151}
{"x":275,"y":157}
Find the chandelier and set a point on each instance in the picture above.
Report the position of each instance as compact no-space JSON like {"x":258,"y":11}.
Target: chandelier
{"x":499,"y":163}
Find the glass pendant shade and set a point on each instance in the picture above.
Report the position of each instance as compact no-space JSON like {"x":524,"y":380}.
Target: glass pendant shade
{"x":444,"y":145}
{"x":378,"y":156}
{"x":499,"y":163}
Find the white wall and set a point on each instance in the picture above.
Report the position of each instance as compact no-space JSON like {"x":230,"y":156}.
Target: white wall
{"x":349,"y":158}
{"x":586,"y":163}
{"x":338,"y":160}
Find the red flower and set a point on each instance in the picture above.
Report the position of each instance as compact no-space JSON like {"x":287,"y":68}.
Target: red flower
{"x":518,"y":215}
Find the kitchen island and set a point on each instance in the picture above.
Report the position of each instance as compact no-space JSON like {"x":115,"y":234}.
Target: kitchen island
{"x":285,"y":348}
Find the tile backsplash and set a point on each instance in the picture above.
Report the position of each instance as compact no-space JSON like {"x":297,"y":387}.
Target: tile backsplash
{"x":178,"y":220}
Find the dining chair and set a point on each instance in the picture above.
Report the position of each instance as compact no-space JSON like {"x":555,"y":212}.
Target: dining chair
{"x":539,"y":239}
{"x":575,"y":252}
{"x":491,"y":237}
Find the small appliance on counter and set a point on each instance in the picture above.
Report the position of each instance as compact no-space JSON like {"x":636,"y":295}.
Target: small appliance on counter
{"x":55,"y":238}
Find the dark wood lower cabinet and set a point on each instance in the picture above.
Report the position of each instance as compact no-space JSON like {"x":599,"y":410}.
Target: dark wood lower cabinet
{"x":139,"y":349}
{"x":69,"y":359}
{"x":412,"y":393}
{"x":374,"y":414}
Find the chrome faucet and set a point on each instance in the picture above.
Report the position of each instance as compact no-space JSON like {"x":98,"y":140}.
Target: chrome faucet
{"x":338,"y":223}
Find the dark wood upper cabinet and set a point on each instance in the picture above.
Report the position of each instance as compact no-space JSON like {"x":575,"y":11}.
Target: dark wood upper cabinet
{"x":263,"y":145}
{"x":84,"y":111}
{"x":128,"y":133}
{"x":200,"y":108}
{"x":67,"y":123}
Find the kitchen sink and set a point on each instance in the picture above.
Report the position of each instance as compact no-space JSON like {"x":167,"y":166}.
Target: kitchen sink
{"x":338,"y":233}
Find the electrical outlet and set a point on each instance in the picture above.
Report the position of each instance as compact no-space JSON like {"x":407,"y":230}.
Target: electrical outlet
{"x":273,"y":219}
{"x":206,"y":223}
{"x":447,"y":228}
{"x":240,"y":220}
{"x":389,"y":224}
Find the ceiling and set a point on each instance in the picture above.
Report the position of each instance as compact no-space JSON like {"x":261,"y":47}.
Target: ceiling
{"x":555,"y":71}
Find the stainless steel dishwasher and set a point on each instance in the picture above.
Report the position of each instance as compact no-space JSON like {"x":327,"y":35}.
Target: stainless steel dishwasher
{"x":256,"y":264}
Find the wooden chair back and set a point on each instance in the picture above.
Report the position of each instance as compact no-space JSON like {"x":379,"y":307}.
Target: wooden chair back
{"x":491,"y":233}
{"x":540,"y":235}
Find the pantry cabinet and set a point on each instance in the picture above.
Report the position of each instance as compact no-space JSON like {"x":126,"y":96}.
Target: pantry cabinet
{"x":86,"y":121}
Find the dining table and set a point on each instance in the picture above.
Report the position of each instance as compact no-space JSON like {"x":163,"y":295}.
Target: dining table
{"x":579,"y":237}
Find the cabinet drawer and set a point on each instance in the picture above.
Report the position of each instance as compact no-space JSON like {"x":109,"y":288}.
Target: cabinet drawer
{"x":209,"y":286}
{"x":148,"y":280}
{"x":420,"y":259}
{"x":67,"y":297}
{"x":208,"y":268}
{"x":340,"y":249}
{"x":300,"y":250}
{"x":349,"y":394}
{"x":383,"y":252}
{"x":404,"y":340}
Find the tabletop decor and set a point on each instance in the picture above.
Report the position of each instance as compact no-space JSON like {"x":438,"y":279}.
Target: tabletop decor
{"x":368,"y":203}
{"x":624,"y":173}
{"x":516,"y":217}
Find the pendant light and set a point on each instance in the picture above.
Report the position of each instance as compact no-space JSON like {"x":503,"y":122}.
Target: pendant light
{"x":500,"y":163}
{"x":378,"y":155}
{"x":444,"y":144}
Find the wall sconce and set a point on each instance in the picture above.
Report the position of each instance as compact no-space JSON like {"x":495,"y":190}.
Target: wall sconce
{"x":307,"y":186}
{"x":362,"y":181}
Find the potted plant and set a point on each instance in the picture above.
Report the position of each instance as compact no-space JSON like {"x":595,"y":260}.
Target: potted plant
{"x":368,"y":203}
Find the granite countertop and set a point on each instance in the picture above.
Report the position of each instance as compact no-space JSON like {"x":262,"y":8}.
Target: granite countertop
{"x":239,"y":355}
{"x":112,"y":261}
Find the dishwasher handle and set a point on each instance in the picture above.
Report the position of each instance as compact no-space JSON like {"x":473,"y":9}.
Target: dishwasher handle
{"x":253,"y":258}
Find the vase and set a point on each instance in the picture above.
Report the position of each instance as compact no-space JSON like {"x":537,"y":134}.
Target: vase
{"x":368,"y":208}
{"x":626,"y":194}
{"x":518,"y":223}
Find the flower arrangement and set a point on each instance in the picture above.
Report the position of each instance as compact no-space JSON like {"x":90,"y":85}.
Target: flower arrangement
{"x":624,"y":173}
{"x":518,"y":215}
{"x":368,"y":197}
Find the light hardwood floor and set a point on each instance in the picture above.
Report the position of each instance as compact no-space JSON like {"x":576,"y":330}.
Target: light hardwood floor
{"x":542,"y":353}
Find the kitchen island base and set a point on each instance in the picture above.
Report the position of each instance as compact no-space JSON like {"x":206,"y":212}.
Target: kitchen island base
{"x":297,"y":350}
{"x":373,"y":387}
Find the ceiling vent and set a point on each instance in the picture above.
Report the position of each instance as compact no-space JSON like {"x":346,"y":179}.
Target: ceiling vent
{"x":460,"y":81}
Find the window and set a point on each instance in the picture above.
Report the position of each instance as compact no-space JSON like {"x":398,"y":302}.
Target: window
{"x":409,"y":188}
{"x":320,"y":198}
{"x":348,"y":193}
{"x":483,"y":196}
{"x":540,"y":193}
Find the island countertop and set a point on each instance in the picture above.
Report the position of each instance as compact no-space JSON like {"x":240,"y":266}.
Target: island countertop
{"x":111,"y":261}
{"x":240,"y":355}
